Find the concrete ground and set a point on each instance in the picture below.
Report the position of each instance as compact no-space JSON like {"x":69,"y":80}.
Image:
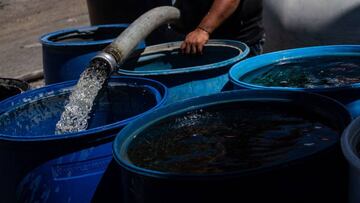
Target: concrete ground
{"x":22,"y":22}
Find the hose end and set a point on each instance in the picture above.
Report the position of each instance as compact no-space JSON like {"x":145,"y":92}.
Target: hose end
{"x":108,"y":58}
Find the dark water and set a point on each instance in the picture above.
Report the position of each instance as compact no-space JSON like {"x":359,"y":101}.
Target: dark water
{"x":175,"y":60}
{"x":8,"y":91}
{"x":314,"y":72}
{"x":232,"y":137}
{"x":39,"y":117}
{"x":11,"y":87}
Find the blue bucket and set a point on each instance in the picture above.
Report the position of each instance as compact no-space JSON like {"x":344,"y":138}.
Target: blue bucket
{"x":187,"y":75}
{"x":67,"y":167}
{"x":313,"y":177}
{"x":349,"y":95}
{"x":66,"y":53}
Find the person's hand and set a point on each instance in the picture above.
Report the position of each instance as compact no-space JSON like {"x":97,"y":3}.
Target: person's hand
{"x":195,"y":41}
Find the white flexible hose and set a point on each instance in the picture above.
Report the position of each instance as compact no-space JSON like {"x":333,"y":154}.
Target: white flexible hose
{"x":116,"y":53}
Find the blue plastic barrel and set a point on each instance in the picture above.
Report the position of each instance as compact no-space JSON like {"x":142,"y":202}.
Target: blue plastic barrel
{"x":187,"y":75}
{"x":316,"y":177}
{"x":350,"y":143}
{"x":66,"y":53}
{"x":66,"y":167}
{"x":349,"y":95}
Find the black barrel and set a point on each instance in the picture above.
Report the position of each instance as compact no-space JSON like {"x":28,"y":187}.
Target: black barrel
{"x":11,"y":87}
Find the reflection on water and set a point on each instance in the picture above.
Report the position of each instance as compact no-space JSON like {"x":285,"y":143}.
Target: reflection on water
{"x":230,"y":137}
{"x":314,"y":72}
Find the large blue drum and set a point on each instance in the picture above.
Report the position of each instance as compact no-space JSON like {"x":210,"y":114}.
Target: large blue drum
{"x":48,"y":167}
{"x":187,"y":75}
{"x":329,"y":70}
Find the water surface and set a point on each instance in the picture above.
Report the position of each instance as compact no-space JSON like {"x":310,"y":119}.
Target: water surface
{"x":316,"y":72}
{"x":231,"y":137}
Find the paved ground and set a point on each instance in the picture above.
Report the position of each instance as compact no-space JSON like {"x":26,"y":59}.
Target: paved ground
{"x":22,"y":22}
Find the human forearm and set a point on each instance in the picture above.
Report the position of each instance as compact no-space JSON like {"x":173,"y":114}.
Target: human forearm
{"x":218,"y":13}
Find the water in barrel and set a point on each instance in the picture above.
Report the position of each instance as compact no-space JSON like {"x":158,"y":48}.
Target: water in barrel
{"x":39,"y":116}
{"x":315,"y":72}
{"x":231,"y":137}
{"x":8,"y":91}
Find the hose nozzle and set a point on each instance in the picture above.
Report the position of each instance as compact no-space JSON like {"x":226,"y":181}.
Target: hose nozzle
{"x":116,"y":53}
{"x":108,"y":58}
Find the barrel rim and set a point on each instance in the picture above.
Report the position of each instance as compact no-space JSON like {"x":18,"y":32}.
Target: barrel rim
{"x":17,"y":100}
{"x":45,"y":39}
{"x":349,"y":140}
{"x":125,"y":136}
{"x":260,"y":61}
{"x":240,"y":46}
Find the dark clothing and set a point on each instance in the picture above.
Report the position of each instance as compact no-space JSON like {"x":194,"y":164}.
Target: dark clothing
{"x":245,"y":24}
{"x":256,"y":48}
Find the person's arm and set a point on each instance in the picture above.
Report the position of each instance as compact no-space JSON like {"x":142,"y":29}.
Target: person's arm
{"x":219,"y":12}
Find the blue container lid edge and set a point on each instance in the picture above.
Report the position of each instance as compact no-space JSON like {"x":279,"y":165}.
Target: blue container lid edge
{"x":230,"y":43}
{"x":45,"y":39}
{"x":349,"y":140}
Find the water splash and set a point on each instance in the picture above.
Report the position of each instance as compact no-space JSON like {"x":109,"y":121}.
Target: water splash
{"x":76,"y":114}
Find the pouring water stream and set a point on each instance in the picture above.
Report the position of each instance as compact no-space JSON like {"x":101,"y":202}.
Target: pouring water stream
{"x":76,"y":113}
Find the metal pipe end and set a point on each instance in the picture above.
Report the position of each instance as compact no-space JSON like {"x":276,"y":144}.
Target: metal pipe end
{"x":108,"y":58}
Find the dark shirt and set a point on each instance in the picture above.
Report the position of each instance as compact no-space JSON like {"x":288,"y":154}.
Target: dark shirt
{"x":245,"y":24}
